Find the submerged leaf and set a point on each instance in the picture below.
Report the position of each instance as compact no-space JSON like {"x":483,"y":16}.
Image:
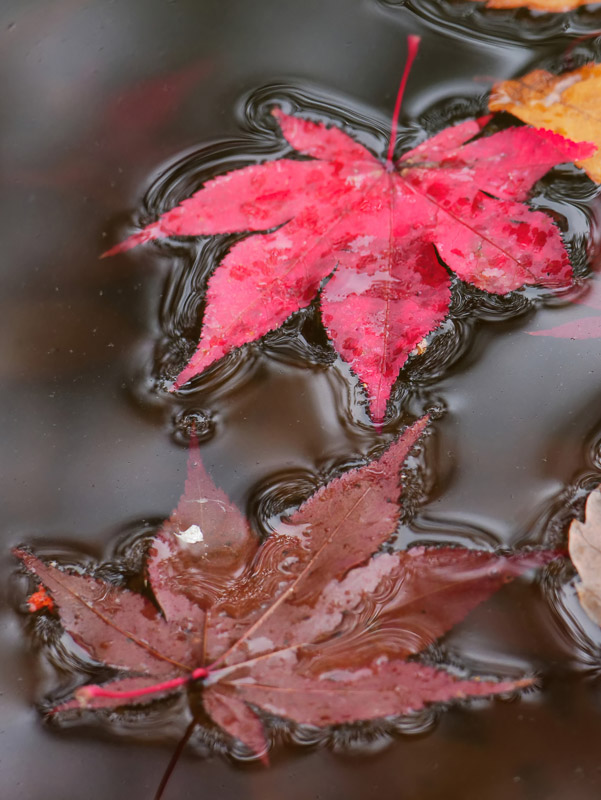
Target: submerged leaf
{"x":556,"y":6}
{"x":583,"y":328}
{"x":307,"y":625}
{"x":369,"y":235}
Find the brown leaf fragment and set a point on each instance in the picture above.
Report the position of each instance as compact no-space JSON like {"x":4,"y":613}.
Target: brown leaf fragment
{"x":567,"y":104}
{"x":585,"y":551}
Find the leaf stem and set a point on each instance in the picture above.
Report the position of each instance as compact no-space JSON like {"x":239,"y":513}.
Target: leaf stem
{"x":412,"y":48}
{"x":87,"y":693}
{"x":175,"y":758}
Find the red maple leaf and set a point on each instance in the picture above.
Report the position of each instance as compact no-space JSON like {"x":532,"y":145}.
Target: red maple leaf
{"x":306,"y":625}
{"x":371,"y":235}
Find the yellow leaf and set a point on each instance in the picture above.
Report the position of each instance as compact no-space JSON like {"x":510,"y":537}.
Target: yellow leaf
{"x":567,"y":104}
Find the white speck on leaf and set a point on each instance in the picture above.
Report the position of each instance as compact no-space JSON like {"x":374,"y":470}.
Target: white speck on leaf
{"x":191,"y":535}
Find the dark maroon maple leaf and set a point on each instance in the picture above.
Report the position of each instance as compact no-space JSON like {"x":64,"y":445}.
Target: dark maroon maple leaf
{"x":369,"y":234}
{"x":306,"y":625}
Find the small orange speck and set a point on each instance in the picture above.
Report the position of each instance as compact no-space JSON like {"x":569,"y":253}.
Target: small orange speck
{"x":40,"y":599}
{"x":421,"y":347}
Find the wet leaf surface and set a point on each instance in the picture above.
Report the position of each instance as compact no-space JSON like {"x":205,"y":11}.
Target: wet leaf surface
{"x":307,"y":625}
{"x":369,"y":235}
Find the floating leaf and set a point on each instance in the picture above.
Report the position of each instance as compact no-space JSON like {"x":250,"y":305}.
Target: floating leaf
{"x":567,"y":104}
{"x":306,"y":625}
{"x":368,"y":235}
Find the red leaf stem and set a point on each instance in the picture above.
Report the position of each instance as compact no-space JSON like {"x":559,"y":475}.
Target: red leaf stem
{"x":86,"y":693}
{"x":412,"y":47}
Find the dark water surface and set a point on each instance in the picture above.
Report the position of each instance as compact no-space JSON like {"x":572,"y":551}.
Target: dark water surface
{"x":106,"y":103}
